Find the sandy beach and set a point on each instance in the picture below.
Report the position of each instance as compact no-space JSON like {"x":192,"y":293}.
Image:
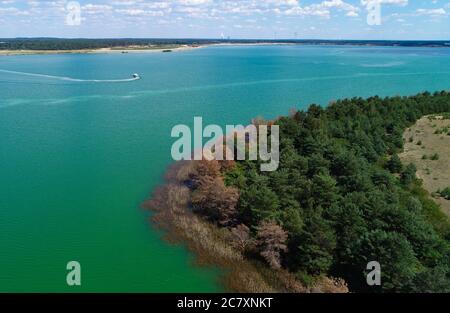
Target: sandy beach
{"x":101,"y":50}
{"x":133,"y":49}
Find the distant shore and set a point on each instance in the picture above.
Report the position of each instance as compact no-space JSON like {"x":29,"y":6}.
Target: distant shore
{"x":170,"y":46}
{"x":98,"y":51}
{"x":131,"y":49}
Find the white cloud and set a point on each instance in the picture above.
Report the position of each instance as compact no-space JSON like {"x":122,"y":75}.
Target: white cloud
{"x":432,"y":12}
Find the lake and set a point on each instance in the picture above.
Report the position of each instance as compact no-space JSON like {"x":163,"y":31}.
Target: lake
{"x":78,"y":156}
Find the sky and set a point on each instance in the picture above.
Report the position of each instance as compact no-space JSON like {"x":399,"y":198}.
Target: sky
{"x":235,"y":19}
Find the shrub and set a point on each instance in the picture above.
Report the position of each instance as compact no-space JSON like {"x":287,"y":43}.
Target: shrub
{"x":394,"y":164}
{"x":435,"y":157}
{"x":445,"y":193}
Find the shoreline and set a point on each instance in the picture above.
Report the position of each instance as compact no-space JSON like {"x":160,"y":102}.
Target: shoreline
{"x":172,"y":213}
{"x":117,"y":50}
{"x":187,"y":47}
{"x":126,"y":50}
{"x":198,"y":206}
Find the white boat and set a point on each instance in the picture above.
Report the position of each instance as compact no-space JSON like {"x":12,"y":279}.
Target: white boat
{"x":136,"y":76}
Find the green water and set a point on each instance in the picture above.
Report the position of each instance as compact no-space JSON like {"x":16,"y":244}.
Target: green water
{"x":78,"y":158}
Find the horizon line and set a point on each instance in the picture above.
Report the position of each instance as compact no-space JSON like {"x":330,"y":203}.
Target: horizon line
{"x":226,"y":39}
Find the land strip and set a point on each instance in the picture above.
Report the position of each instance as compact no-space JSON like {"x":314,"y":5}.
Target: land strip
{"x":427,"y":146}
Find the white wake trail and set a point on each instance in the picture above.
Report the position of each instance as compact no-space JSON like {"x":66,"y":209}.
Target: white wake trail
{"x":70,"y":78}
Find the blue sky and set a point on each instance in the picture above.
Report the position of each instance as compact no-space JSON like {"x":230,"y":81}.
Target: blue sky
{"x":326,"y":19}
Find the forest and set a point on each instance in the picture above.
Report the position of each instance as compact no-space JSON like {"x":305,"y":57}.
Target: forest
{"x":82,"y":43}
{"x":340,"y":199}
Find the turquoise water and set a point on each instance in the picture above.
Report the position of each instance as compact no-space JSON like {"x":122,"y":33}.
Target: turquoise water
{"x":77,"y":158}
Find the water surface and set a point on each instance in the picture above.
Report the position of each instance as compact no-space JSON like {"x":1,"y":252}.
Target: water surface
{"x":77,"y":158}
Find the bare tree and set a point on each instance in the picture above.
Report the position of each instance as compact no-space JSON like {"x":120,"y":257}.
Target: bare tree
{"x":218,"y":202}
{"x":205,"y":170}
{"x":271,"y":242}
{"x":240,"y":237}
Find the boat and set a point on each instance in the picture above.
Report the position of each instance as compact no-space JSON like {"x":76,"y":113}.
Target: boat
{"x":136,"y":76}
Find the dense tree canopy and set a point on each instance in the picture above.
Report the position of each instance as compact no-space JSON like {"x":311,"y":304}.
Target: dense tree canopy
{"x":344,"y":199}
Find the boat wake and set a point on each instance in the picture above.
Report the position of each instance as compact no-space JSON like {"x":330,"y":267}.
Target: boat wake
{"x":70,"y":79}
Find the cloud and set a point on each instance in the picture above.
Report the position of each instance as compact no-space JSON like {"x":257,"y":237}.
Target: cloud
{"x":432,"y":12}
{"x":172,"y":17}
{"x":387,"y":2}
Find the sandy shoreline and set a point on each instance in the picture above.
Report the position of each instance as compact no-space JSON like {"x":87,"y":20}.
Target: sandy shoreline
{"x":174,"y":48}
{"x":97,"y":51}
{"x":128,"y":50}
